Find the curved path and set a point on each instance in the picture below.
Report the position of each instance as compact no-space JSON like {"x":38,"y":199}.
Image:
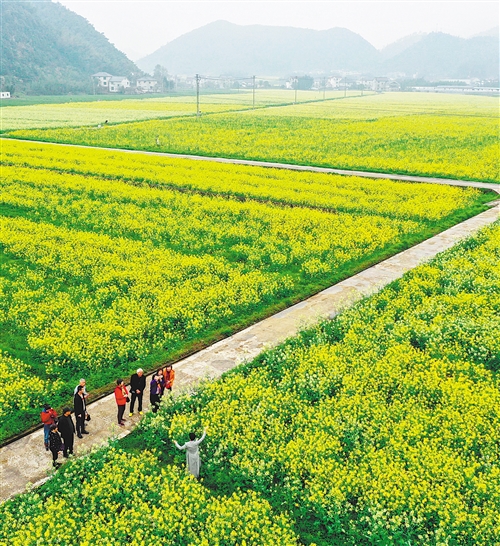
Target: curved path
{"x":25,"y":461}
{"x":290,"y":166}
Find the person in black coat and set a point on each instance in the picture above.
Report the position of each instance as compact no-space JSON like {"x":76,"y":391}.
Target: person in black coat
{"x":55,"y":444}
{"x":67,"y":431}
{"x":80,"y":411}
{"x":137,"y":386}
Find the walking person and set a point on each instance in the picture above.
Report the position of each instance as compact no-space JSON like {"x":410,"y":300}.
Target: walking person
{"x":192,"y":453}
{"x":55,"y":443}
{"x":137,"y":386}
{"x":155,"y":391}
{"x":121,"y":396}
{"x":49,"y":418}
{"x":168,"y":377}
{"x":67,"y":430}
{"x":80,"y":406}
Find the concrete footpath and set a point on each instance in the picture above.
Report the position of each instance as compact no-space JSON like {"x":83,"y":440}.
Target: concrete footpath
{"x":25,"y":461}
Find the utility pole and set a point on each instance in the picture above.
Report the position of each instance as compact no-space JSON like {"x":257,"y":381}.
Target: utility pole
{"x":198,"y":95}
{"x":296,"y":82}
{"x":253,"y":93}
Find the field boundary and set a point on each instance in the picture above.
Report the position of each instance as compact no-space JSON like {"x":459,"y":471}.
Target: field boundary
{"x":287,"y":166}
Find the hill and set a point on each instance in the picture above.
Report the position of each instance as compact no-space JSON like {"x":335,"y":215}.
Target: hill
{"x":47,"y":48}
{"x":226,"y":48}
{"x":440,"y":56}
{"x":401,"y":45}
{"x":493,"y":32}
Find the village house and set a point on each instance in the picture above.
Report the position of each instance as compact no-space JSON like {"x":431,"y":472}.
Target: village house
{"x":147,"y":85}
{"x":118,"y":83}
{"x":102,"y":79}
{"x":334,"y":81}
{"x":4,"y":94}
{"x":109,"y":83}
{"x":393,"y":86}
{"x":380,"y":84}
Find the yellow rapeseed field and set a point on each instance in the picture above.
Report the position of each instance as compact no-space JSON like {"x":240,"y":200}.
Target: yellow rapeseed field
{"x":109,"y":258}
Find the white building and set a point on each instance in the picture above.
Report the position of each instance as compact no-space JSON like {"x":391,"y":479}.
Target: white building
{"x":147,"y":85}
{"x":380,"y":84}
{"x":102,"y":79}
{"x":118,"y":83}
{"x":334,"y":81}
{"x":4,"y":94}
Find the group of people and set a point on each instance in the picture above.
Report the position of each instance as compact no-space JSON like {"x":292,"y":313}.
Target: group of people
{"x":59,"y":432}
{"x":161,"y":381}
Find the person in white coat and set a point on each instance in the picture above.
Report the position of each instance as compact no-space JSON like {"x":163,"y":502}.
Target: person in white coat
{"x":192,"y":453}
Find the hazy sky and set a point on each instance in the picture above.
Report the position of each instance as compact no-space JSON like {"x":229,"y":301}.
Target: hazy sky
{"x":139,"y":27}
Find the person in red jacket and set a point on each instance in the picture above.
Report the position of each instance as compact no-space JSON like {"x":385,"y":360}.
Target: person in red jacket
{"x":49,"y":418}
{"x":168,"y":377}
{"x":121,"y":396}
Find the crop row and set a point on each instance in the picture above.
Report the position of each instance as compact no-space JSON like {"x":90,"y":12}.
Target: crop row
{"x":382,"y":105}
{"x":379,"y":427}
{"x":77,"y":114}
{"x":158,"y":505}
{"x":74,"y":114}
{"x":405,"y":201}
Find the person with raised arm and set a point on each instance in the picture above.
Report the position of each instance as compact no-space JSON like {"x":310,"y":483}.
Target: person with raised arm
{"x":192,"y":453}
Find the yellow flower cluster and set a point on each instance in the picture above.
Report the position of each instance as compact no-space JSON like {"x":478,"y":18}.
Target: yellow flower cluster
{"x":20,"y":390}
{"x":104,"y":300}
{"x":123,"y":499}
{"x":456,"y":145}
{"x":379,"y":427}
{"x":75,"y":114}
{"x":380,"y":105}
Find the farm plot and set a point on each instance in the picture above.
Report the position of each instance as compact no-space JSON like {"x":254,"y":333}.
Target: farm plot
{"x":96,"y":112}
{"x":100,"y":274}
{"x":375,"y":106}
{"x":379,"y":427}
{"x":359,"y":133}
{"x":76,"y":114}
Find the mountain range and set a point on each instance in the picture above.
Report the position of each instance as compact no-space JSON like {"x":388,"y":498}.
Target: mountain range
{"x":47,"y":48}
{"x":226,"y":48}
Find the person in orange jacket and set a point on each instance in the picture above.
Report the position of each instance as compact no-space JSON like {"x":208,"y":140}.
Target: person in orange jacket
{"x":121,"y":396}
{"x":49,"y":418}
{"x":168,"y":377}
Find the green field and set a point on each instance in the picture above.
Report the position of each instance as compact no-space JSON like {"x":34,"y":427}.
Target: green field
{"x":379,"y":427}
